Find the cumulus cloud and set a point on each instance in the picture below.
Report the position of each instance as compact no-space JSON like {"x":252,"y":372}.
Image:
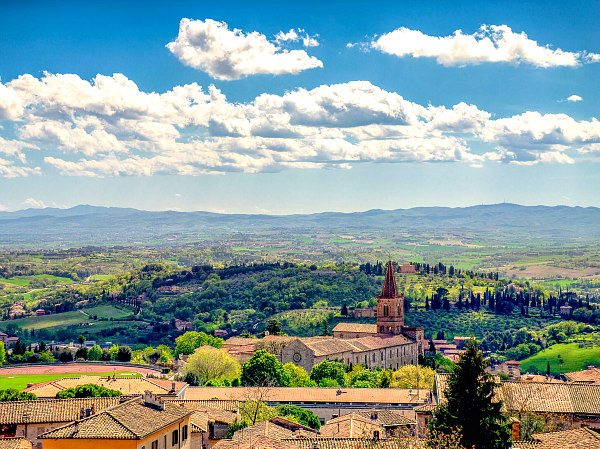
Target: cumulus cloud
{"x":107,"y":126}
{"x":225,"y":54}
{"x":491,"y":43}
{"x":295,"y":36}
{"x":573,"y":98}
{"x":35,"y":204}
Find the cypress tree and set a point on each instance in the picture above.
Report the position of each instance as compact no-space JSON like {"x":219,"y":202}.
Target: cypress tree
{"x":470,"y":407}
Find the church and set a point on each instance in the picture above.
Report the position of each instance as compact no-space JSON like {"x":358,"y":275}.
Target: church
{"x":386,"y":344}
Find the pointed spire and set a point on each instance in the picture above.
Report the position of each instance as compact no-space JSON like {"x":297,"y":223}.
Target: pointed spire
{"x":389,"y":286}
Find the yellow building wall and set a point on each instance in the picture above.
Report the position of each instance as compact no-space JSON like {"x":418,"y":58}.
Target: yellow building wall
{"x":125,"y":444}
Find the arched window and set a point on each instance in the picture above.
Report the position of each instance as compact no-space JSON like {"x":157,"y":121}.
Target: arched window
{"x":399,"y":312}
{"x":386,"y":310}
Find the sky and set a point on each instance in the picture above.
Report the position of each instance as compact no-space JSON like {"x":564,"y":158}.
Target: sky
{"x":281,"y":107}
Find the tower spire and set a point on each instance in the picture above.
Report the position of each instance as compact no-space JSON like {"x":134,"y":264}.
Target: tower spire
{"x":389,"y":285}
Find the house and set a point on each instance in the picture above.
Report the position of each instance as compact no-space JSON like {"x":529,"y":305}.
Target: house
{"x":581,"y":438}
{"x":29,"y":419}
{"x":14,"y":443}
{"x":278,"y":428}
{"x":511,"y":368}
{"x":40,"y":312}
{"x":220,"y":333}
{"x":353,"y":425}
{"x":407,"y":268}
{"x":566,"y":312}
{"x":127,"y":386}
{"x":326,"y":403}
{"x":3,"y":337}
{"x":140,"y":423}
{"x":363,"y":312}
{"x":590,"y":375}
{"x":577,"y":403}
{"x":210,"y":419}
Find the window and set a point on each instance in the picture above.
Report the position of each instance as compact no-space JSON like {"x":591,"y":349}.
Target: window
{"x":175,"y":437}
{"x":155,"y":444}
{"x":386,"y":310}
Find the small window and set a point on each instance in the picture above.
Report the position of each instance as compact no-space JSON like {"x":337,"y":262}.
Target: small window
{"x":184,"y":433}
{"x":175,"y":437}
{"x":155,"y":444}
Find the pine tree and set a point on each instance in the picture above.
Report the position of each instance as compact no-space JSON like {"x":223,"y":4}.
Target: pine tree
{"x":548,"y":368}
{"x":470,"y":406}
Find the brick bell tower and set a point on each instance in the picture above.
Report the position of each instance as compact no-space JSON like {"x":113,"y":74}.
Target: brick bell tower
{"x":390,"y":305}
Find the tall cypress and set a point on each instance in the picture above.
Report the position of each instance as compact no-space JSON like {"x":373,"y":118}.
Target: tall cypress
{"x":470,"y":406}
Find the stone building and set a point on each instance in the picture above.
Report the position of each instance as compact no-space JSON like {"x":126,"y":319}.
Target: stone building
{"x":386,"y":344}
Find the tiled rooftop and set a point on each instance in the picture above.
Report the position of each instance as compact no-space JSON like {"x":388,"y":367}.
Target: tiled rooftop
{"x":356,"y":327}
{"x":132,"y":420}
{"x":15,"y":443}
{"x":390,"y":396}
{"x":51,"y":410}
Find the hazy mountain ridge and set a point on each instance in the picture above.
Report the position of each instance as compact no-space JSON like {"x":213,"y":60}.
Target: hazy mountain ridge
{"x":96,"y":224}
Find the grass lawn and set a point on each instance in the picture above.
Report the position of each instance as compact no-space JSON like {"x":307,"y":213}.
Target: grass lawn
{"x":575,"y":358}
{"x":24,"y":281}
{"x":69,"y":318}
{"x":20,"y":381}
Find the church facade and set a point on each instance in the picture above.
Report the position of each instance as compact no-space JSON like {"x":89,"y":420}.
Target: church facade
{"x":386,"y":344}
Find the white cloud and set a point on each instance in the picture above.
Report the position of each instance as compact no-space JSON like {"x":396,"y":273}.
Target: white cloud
{"x":491,"y":43}
{"x":574,"y":98}
{"x":108,"y":127}
{"x":35,"y":204}
{"x":227,"y":54}
{"x":3,"y":207}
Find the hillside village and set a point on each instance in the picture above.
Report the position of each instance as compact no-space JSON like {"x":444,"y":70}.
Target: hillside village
{"x":155,"y":412}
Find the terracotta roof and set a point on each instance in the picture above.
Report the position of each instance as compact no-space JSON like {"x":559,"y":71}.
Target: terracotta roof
{"x":51,"y":410}
{"x":541,"y":396}
{"x":132,"y":420}
{"x":278,"y":428}
{"x":568,"y":439}
{"x":357,"y":443}
{"x":258,"y":442}
{"x":426,"y":408}
{"x":387,"y":418}
{"x":590,"y":375}
{"x":330,"y":346}
{"x":351,"y":425}
{"x":356,"y":327}
{"x":379,"y":342}
{"x":213,"y":404}
{"x":388,"y":396}
{"x":209,"y":410}
{"x":127,"y":386}
{"x":15,"y":443}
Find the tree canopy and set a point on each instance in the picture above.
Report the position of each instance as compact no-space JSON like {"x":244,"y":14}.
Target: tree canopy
{"x":208,"y":363}
{"x":263,"y":369}
{"x":12,"y":394}
{"x":87,"y":391}
{"x":190,"y":341}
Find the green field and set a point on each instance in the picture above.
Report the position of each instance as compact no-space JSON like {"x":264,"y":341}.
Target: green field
{"x":25,"y":281}
{"x":20,"y":381}
{"x":69,"y":318}
{"x":575,"y":358}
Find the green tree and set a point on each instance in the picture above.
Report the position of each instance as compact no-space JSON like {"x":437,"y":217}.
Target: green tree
{"x":95,"y":353}
{"x":210,"y":363}
{"x":407,"y":376}
{"x":329,"y":370}
{"x":299,"y":415}
{"x":87,"y":391}
{"x":263,"y":369}
{"x":124,"y":354}
{"x":12,"y":394}
{"x":274,"y":326}
{"x":298,"y":376}
{"x":470,"y":405}
{"x":190,"y":341}
{"x":2,"y":353}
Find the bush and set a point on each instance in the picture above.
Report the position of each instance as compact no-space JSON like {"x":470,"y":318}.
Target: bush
{"x":87,"y":391}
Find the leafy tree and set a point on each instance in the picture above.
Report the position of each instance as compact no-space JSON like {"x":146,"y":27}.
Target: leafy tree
{"x":210,"y":363}
{"x":95,"y":353}
{"x":87,"y":391}
{"x":407,"y":375}
{"x":263,"y":369}
{"x":254,"y":411}
{"x":124,"y":354}
{"x":81,"y":353}
{"x":12,"y":394}
{"x":188,"y":342}
{"x":329,"y":370}
{"x":361,"y":377}
{"x":298,"y":376}
{"x":470,"y":405}
{"x":274,"y":327}
{"x":81,"y":339}
{"x":299,"y":415}
{"x":192,"y":379}
{"x":2,"y":353}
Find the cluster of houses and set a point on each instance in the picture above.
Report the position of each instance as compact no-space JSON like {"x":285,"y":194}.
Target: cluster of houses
{"x":159,"y":414}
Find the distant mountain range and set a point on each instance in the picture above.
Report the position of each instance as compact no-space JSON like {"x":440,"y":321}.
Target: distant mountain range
{"x":92,"y":225}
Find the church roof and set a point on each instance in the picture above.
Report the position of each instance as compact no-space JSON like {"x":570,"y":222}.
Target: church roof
{"x":389,"y":290}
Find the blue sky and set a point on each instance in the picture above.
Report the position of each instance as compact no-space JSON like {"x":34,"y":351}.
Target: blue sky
{"x":393,"y":141}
